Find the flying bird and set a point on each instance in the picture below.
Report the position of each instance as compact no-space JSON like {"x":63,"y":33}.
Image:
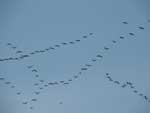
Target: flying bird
{"x":106,"y":48}
{"x":124,"y":85}
{"x":121,"y":37}
{"x":34,"y":70}
{"x":142,"y":28}
{"x":132,"y":34}
{"x":84,"y":36}
{"x":100,"y":56}
{"x":84,"y":69}
{"x":37,"y":93}
{"x":77,"y":40}
{"x":25,"y":103}
{"x":64,"y":43}
{"x":2,"y":78}
{"x":114,"y":41}
{"x":19,"y":52}
{"x":91,"y":33}
{"x":57,"y":45}
{"x":125,"y":22}
{"x":34,"y":99}
{"x":117,"y":82}
{"x":71,"y":42}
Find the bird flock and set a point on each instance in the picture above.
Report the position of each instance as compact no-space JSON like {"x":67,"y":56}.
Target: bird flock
{"x":46,"y":84}
{"x":127,"y":84}
{"x":48,"y":49}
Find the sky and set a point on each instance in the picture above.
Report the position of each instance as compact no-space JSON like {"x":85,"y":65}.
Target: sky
{"x":31,"y":25}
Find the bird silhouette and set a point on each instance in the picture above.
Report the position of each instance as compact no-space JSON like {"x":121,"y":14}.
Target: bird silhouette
{"x":132,"y":34}
{"x":125,"y":22}
{"x":106,"y":48}
{"x":142,"y":28}
{"x":121,"y":37}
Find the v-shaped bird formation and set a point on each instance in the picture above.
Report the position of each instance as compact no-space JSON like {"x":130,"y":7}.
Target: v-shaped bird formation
{"x":42,"y":84}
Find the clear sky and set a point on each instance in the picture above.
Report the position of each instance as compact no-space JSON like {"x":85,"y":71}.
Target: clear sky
{"x":31,"y":25}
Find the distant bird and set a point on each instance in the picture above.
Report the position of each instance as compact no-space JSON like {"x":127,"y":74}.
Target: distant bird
{"x":2,"y":78}
{"x":60,"y":102}
{"x":30,"y":66}
{"x":9,"y":44}
{"x":47,"y":49}
{"x":70,"y":80}
{"x":142,"y":28}
{"x":121,"y":37}
{"x":25,"y":103}
{"x":77,"y":40}
{"x":45,"y":85}
{"x":36,"y":51}
{"x":79,"y":73}
{"x":75,"y":76}
{"x":36,"y":84}
{"x":51,"y":48}
{"x":37,"y":93}
{"x":114,"y":41}
{"x":50,"y":83}
{"x":42,"y":51}
{"x":16,"y":58}
{"x":129,"y":83}
{"x":64,"y":43}
{"x":41,"y":80}
{"x":41,"y":88}
{"x":61,"y":81}
{"x":145,"y":97}
{"x":18,"y":93}
{"x":84,"y":69}
{"x":124,"y":85}
{"x":125,"y":22}
{"x":34,"y":99}
{"x":23,"y":56}
{"x":14,"y":47}
{"x":107,"y":73}
{"x":132,"y":34}
{"x":117,"y":82}
{"x":10,"y":58}
{"x":71,"y":42}
{"x":57,"y":45}
{"x":36,"y":75}
{"x":19,"y":52}
{"x":32,"y":53}
{"x":100,"y":56}
{"x":91,"y":33}
{"x":34,"y":70}
{"x":84,"y":36}
{"x":93,"y":60}
{"x":1,"y":59}
{"x":110,"y":79}
{"x":66,"y":83}
{"x":135,"y":91}
{"x":88,"y":65}
{"x":106,"y":48}
{"x":13,"y":86}
{"x":31,"y":107}
{"x":140,"y":94}
{"x":8,"y":83}
{"x":132,"y":87}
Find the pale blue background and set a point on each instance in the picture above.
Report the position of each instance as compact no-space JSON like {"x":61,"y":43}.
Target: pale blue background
{"x":35,"y":24}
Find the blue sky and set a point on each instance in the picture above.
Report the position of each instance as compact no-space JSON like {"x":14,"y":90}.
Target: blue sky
{"x":31,"y":25}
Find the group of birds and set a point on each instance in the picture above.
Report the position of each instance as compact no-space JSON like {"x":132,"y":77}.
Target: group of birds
{"x":23,"y":56}
{"x":128,"y":85}
{"x":87,"y":66}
